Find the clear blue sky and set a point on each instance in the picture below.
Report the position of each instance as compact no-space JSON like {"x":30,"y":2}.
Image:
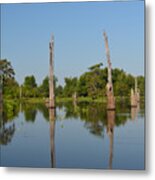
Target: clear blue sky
{"x":77,"y":27}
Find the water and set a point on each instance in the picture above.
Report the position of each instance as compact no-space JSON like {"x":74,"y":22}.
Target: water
{"x":82,"y":135}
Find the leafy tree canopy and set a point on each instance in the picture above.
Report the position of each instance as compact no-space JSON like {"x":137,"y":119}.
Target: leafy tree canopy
{"x":30,"y":82}
{"x":96,"y":66}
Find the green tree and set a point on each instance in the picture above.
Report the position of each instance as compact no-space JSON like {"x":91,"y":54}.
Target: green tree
{"x":93,"y":83}
{"x":8,"y":84}
{"x":70,"y":86}
{"x":120,"y":82}
{"x":96,"y":81}
{"x":44,"y":87}
{"x":82,"y":88}
{"x":6,"y":69}
{"x":59,"y":91}
{"x":30,"y":82}
{"x":11,"y":89}
{"x":30,"y":87}
{"x":141,"y":85}
{"x":96,"y":66}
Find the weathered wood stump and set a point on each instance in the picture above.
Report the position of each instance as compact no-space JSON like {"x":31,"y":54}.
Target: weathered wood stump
{"x":110,"y":97}
{"x":109,"y":87}
{"x":138,"y":95}
{"x":135,"y":95}
{"x":133,"y":99}
{"x":51,"y":75}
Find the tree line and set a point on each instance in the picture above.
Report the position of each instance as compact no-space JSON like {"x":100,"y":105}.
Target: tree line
{"x":90,"y":84}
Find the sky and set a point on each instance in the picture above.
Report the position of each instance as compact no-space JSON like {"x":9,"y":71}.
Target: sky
{"x":78,"y":33}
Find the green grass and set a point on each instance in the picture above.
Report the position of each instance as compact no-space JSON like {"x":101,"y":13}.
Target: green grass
{"x":29,"y":100}
{"x":68,"y":99}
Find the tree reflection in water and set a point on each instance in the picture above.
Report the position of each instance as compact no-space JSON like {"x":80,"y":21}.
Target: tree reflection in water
{"x":94,"y":116}
{"x":6,"y":134}
{"x":135,"y":111}
{"x":30,"y":112}
{"x":110,"y":132}
{"x":52,"y":114}
{"x":94,"y":120}
{"x":7,"y":127}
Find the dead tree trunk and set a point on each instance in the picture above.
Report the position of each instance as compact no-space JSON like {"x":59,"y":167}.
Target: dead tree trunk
{"x":109,"y":86}
{"x":133,"y":99}
{"x":51,"y":75}
{"x":135,"y":95}
{"x":137,"y":91}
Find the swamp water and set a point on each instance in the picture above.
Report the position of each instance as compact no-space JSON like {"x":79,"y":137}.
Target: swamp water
{"x":74,"y":135}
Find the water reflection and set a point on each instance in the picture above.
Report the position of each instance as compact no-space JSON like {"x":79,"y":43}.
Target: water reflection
{"x":110,"y":132}
{"x":52,"y":134}
{"x":135,"y":111}
{"x":30,"y":112}
{"x":94,"y":115}
{"x":7,"y":127}
{"x":88,"y":118}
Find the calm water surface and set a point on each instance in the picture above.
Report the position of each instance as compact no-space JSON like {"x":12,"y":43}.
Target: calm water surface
{"x":82,"y":135}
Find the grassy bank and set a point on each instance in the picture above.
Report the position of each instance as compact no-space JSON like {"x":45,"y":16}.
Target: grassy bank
{"x":69,"y":99}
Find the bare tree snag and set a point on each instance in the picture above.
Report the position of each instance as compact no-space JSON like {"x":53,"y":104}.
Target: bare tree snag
{"x":137,"y":91}
{"x":51,"y":75}
{"x":109,"y":86}
{"x":135,"y":95}
{"x":133,"y":99}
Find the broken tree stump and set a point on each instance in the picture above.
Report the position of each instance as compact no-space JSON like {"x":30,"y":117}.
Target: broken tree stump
{"x":110,"y":98}
{"x":133,"y":99}
{"x":135,"y":95}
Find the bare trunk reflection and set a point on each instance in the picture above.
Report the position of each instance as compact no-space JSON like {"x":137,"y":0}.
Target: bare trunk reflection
{"x":110,"y":132}
{"x":52,"y":134}
{"x":134,"y":111}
